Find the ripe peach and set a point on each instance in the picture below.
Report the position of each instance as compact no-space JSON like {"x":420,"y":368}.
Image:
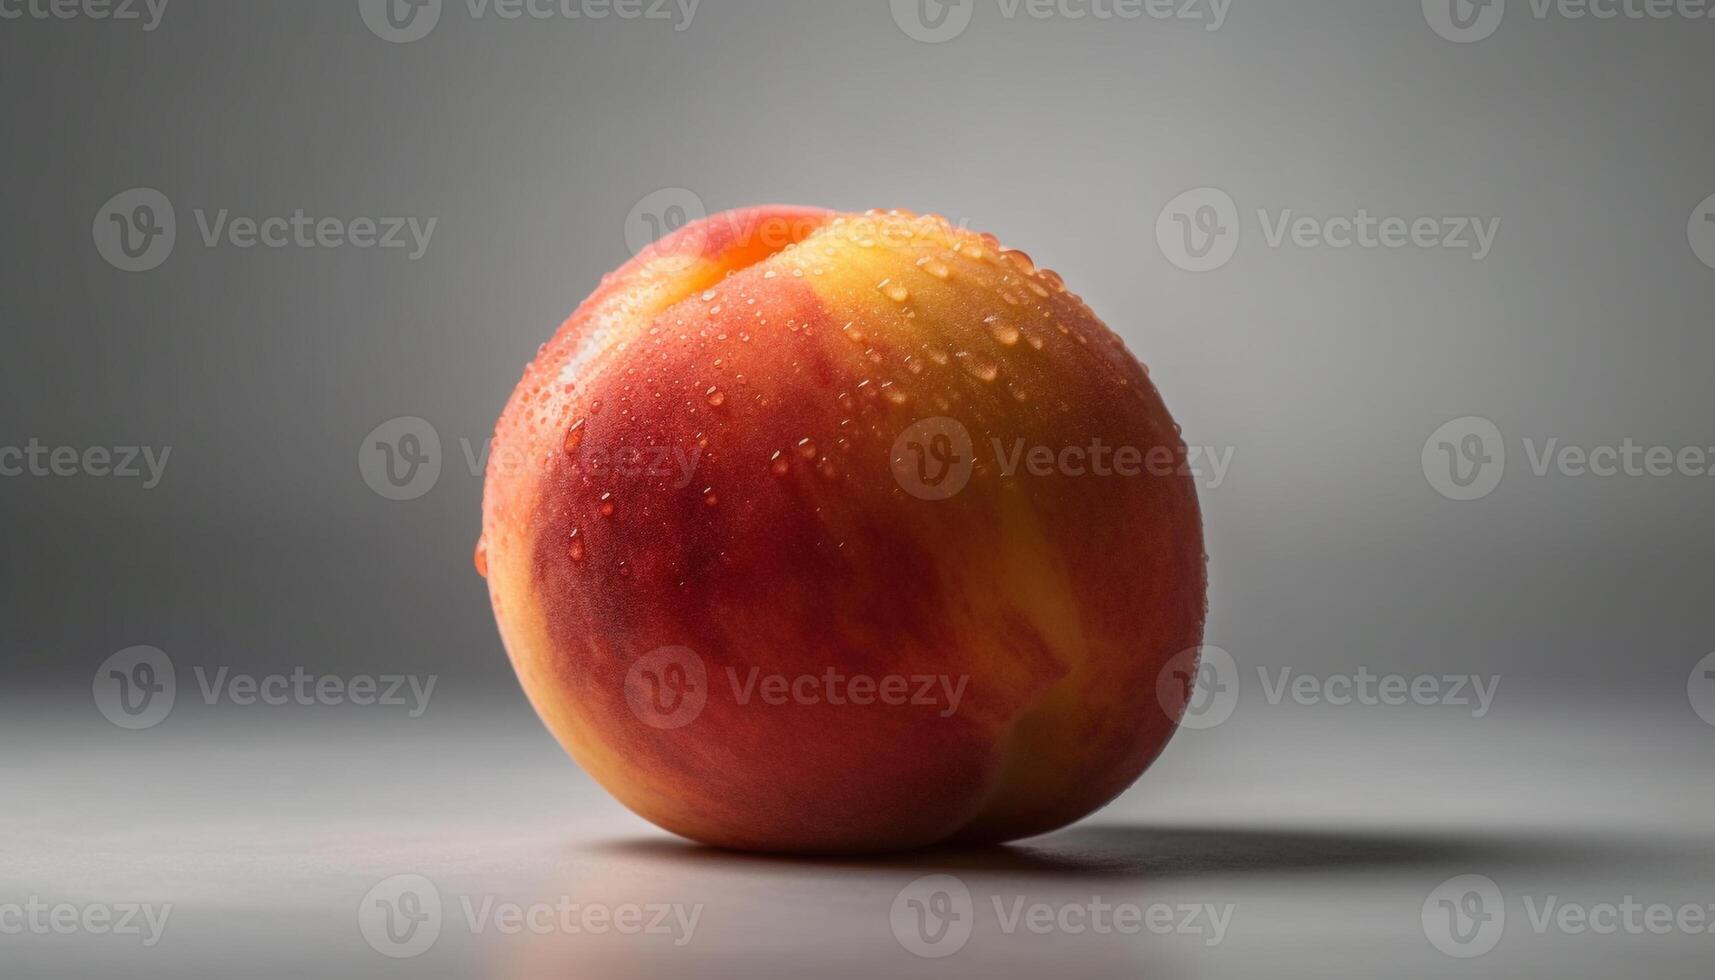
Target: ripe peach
{"x":812,"y":547}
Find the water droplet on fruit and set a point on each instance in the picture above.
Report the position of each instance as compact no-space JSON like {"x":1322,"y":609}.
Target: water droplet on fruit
{"x":778,"y":464}
{"x":893,"y":290}
{"x":978,"y":366}
{"x":574,"y":436}
{"x":575,"y":547}
{"x":481,"y":557}
{"x":807,"y":448}
{"x":606,"y":505}
{"x":709,"y":497}
{"x":715,"y":397}
{"x":1004,"y":333}
{"x":770,"y":274}
{"x":934,"y":267}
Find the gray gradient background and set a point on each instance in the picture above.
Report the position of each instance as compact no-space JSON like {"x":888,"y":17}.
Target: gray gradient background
{"x":531,"y":141}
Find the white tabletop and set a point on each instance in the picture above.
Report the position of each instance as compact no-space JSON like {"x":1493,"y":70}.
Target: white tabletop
{"x":1291,"y":841}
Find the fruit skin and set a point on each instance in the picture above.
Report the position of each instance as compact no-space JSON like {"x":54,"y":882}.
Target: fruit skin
{"x":799,"y":335}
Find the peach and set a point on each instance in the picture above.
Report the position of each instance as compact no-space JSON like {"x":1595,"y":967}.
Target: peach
{"x":844,"y":533}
